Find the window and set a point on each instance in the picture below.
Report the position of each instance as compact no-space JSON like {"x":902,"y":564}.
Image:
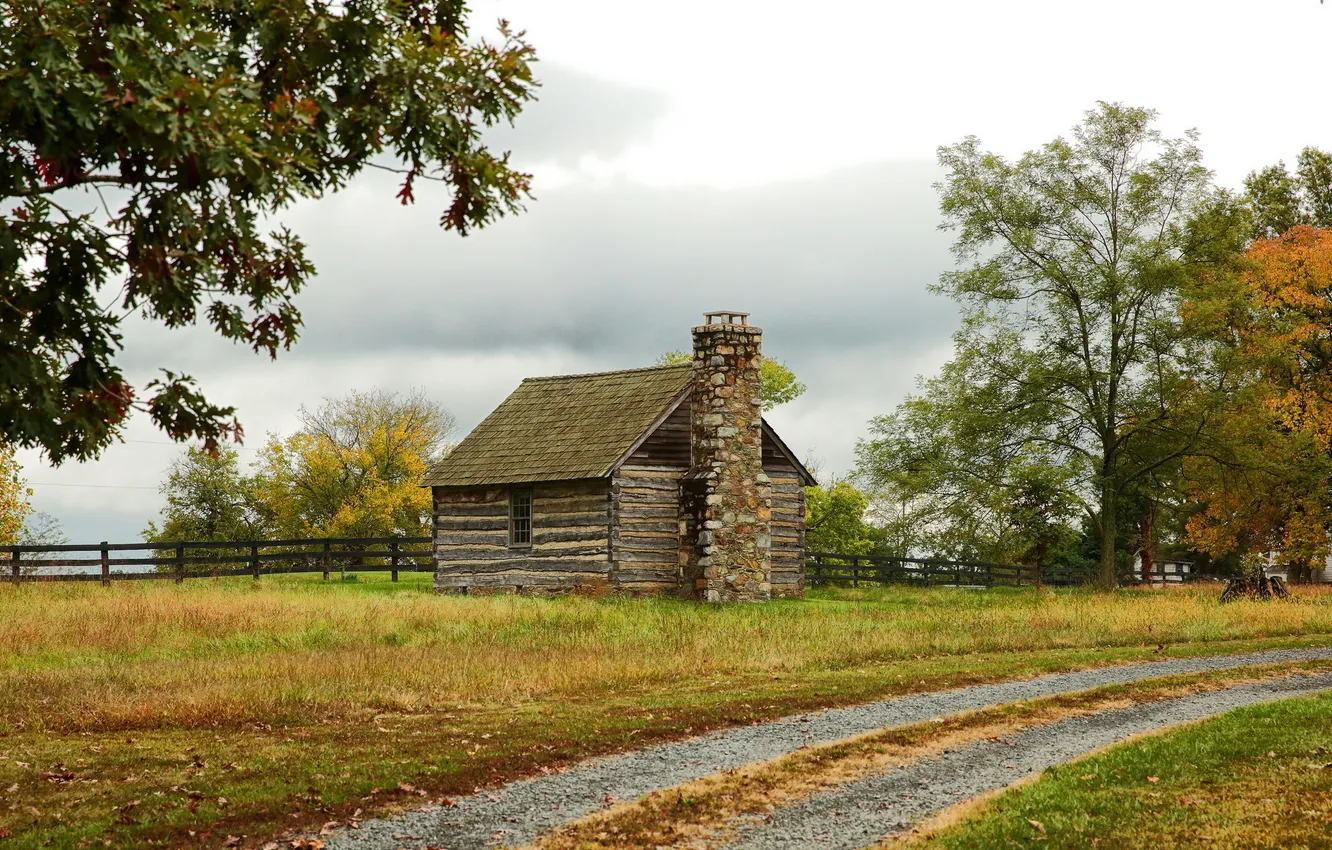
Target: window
{"x":520,"y":517}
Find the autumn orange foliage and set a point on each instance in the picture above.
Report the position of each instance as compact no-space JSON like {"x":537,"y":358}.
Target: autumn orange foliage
{"x":1273,"y":490}
{"x":1289,"y":282}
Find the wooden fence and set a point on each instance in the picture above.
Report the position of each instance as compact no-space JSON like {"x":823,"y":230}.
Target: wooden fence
{"x":212,"y":559}
{"x":832,"y":568}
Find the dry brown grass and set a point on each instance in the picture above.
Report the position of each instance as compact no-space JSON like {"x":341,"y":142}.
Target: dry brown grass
{"x":80,"y":658}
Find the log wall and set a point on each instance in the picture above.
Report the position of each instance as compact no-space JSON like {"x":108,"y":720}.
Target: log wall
{"x":570,"y":540}
{"x":788,"y":523}
{"x":646,"y":529}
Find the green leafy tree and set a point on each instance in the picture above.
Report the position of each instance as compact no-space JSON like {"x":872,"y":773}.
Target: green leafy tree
{"x":1280,"y":200}
{"x":208,"y":498}
{"x":40,"y":529}
{"x":145,"y":145}
{"x":777,"y":383}
{"x":835,"y":520}
{"x":960,"y":488}
{"x":1073,"y":355}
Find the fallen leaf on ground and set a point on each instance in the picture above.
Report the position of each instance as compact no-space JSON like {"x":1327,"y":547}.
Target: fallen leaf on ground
{"x":57,"y":777}
{"x":1040,"y":827}
{"x":1153,"y":779}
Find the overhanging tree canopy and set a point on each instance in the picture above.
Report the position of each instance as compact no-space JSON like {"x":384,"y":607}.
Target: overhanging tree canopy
{"x":143,"y":143}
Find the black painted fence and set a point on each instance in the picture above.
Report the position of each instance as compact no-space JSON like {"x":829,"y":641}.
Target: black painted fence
{"x":824,"y":568}
{"x":199,"y":559}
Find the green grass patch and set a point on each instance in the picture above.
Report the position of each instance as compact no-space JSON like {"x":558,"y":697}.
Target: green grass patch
{"x":1256,"y":777}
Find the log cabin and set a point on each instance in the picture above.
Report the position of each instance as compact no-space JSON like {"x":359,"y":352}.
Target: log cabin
{"x":657,"y":481}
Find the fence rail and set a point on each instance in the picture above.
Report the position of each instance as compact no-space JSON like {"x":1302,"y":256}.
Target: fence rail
{"x":259,"y":557}
{"x":833,"y":568}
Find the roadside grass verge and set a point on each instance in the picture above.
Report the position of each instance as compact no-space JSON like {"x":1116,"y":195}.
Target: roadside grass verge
{"x":699,"y":813}
{"x":300,"y":702}
{"x":1256,"y":777}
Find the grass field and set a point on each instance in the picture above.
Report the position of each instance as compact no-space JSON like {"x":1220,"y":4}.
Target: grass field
{"x":1258,"y":777}
{"x":190,"y":714}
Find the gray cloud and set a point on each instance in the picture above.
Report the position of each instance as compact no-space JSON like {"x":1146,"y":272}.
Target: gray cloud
{"x":579,"y":114}
{"x":835,"y":269}
{"x":831,"y":263}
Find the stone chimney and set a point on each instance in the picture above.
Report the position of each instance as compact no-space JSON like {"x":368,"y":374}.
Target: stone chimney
{"x":730,"y":559}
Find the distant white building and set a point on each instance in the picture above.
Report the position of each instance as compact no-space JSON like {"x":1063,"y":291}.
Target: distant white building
{"x":1164,"y":572}
{"x":1277,"y":566}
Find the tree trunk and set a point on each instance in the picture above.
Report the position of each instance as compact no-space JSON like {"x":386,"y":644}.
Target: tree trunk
{"x":1145,"y":531}
{"x":1300,"y":572}
{"x":1108,"y":528}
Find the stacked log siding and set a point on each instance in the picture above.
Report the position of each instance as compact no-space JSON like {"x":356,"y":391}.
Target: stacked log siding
{"x":645,"y":536}
{"x":645,"y":510}
{"x":570,"y":547}
{"x":788,"y":527}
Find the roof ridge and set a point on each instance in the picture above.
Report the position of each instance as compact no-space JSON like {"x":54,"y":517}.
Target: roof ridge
{"x":611,"y":372}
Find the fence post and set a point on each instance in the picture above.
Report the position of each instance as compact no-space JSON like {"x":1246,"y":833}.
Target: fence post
{"x":393,"y":559}
{"x":855,"y":571}
{"x":106,"y":565}
{"x":14,"y":556}
{"x":180,"y":565}
{"x":254,"y":561}
{"x":327,"y":558}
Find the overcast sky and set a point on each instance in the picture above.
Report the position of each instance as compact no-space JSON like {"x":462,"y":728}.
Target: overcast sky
{"x":775,"y":158}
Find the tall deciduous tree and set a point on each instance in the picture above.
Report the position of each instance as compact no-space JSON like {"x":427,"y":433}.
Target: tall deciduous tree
{"x":1072,"y":350}
{"x":354,"y":468}
{"x":145,"y":145}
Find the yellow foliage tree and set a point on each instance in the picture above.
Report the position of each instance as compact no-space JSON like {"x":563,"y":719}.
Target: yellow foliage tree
{"x":354,"y":468}
{"x":14,"y":495}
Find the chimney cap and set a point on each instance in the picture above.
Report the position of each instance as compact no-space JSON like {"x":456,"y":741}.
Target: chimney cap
{"x":726,"y":317}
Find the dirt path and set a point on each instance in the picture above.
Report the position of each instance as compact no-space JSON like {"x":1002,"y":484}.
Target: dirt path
{"x":863,"y":813}
{"x":520,"y":811}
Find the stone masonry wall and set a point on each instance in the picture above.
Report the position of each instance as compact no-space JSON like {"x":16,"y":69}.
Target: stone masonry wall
{"x":730,"y":560}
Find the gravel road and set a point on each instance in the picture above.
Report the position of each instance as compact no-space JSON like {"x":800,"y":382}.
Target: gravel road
{"x":863,"y":813}
{"x":516,"y":813}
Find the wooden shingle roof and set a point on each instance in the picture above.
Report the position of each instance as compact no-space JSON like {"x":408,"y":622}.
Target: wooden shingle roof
{"x":562,"y":428}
